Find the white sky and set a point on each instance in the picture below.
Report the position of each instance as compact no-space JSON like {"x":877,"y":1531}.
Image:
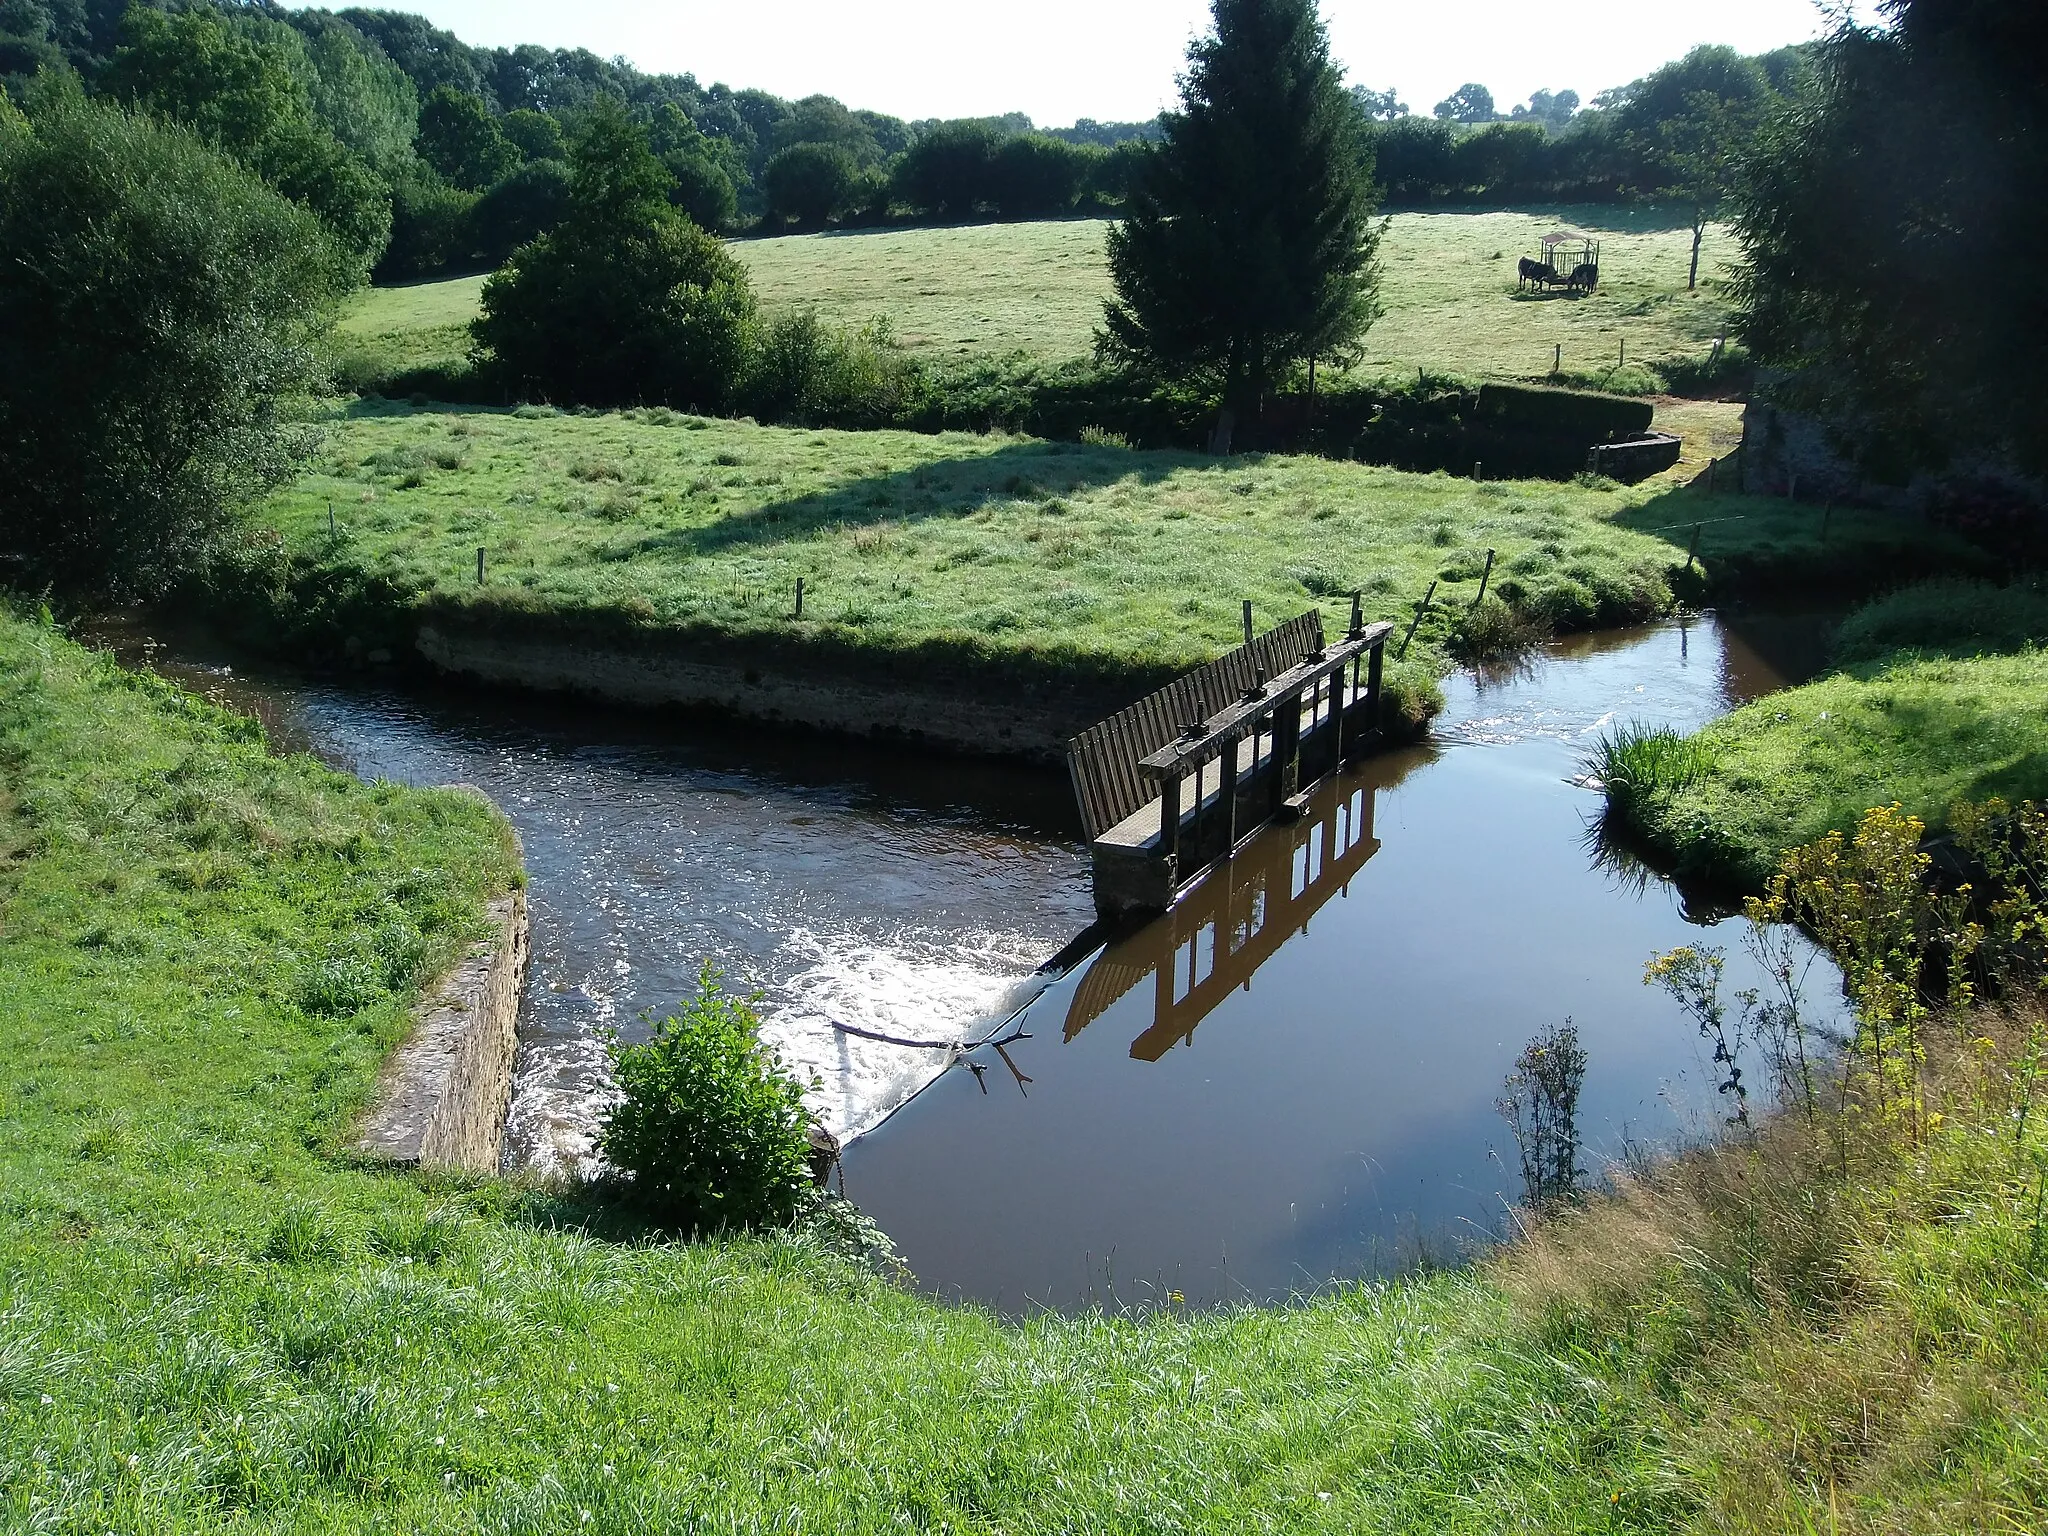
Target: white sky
{"x":1113,"y":59}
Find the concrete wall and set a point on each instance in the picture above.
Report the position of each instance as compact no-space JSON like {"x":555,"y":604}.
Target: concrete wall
{"x":445,"y":1092}
{"x":1001,"y":721}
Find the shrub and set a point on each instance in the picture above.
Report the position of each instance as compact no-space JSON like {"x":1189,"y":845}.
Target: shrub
{"x":806,"y":372}
{"x":709,"y":1131}
{"x":156,"y":303}
{"x":809,"y":182}
{"x":431,"y":227}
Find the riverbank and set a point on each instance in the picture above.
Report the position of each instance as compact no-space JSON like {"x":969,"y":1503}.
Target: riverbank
{"x":1913,"y":726}
{"x":218,"y":1316}
{"x":992,"y":594}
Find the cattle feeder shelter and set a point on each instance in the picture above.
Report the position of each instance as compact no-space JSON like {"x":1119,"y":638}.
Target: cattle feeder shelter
{"x":1566,"y":249}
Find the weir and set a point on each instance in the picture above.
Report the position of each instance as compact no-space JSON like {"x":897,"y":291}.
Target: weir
{"x":1173,"y":784}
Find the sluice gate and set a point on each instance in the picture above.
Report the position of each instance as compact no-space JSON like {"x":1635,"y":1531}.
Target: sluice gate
{"x":1174,"y":783}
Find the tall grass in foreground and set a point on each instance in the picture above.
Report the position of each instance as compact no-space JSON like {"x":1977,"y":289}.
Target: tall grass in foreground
{"x":1842,"y":1307}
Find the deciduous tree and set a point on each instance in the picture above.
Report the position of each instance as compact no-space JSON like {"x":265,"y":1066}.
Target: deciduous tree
{"x":1690,"y":125}
{"x":626,"y":301}
{"x":462,"y":141}
{"x":1469,"y":103}
{"x":1893,"y":222}
{"x":157,"y":301}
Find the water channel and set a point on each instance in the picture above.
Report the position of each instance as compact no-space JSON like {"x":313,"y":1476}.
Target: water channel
{"x":1290,"y":1078}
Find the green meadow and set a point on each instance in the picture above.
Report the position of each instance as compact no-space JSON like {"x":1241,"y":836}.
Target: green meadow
{"x":1941,"y":697}
{"x":953,"y":294}
{"x":1098,"y":559}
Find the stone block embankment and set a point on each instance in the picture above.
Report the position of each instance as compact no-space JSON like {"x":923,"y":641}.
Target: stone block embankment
{"x":960,"y":713}
{"x":445,"y":1092}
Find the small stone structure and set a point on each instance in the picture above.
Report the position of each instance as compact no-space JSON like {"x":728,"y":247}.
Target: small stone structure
{"x":445,"y":1092}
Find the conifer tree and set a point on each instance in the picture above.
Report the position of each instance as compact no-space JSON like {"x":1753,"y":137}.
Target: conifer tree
{"x":1248,"y":245}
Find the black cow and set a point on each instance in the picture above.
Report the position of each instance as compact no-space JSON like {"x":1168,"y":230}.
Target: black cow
{"x":1585,"y":277}
{"x":1541,"y":272}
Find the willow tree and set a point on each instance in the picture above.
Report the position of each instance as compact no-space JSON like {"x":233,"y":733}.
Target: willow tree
{"x":1248,"y":244}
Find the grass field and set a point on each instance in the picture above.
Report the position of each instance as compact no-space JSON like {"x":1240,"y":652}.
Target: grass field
{"x":1452,"y":306}
{"x":1100,"y":560}
{"x":217,"y":1322}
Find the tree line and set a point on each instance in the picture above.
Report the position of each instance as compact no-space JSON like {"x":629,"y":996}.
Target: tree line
{"x":441,"y":157}
{"x":175,"y":241}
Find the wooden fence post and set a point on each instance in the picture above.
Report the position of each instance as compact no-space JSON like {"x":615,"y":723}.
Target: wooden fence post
{"x":479,"y":565}
{"x":1426,"y":597}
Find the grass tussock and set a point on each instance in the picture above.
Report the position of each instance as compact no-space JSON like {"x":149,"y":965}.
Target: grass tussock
{"x":1638,"y":763}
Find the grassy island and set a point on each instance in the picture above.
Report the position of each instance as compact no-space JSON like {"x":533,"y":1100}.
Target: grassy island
{"x":1941,"y":697}
{"x":990,"y":552}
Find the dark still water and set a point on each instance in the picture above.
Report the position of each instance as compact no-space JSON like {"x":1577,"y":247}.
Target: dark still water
{"x":1290,"y":1078}
{"x":1293,"y":1075}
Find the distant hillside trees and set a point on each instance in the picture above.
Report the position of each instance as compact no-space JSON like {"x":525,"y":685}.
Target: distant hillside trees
{"x":1469,"y":103}
{"x":626,"y":301}
{"x":238,"y":91}
{"x":157,"y":303}
{"x":1894,"y":220}
{"x":463,"y":143}
{"x":1249,"y":244}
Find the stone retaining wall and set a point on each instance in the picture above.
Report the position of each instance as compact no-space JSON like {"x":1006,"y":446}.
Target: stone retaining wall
{"x":445,"y":1092}
{"x":1034,"y":722}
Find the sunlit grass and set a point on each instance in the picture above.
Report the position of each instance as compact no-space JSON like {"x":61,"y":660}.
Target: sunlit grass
{"x":217,"y":1320}
{"x":1452,"y":305}
{"x":1784,"y":770}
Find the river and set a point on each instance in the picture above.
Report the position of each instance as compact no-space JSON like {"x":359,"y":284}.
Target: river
{"x":1290,"y":1079}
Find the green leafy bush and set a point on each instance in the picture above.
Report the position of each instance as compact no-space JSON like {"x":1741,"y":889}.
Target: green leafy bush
{"x":709,"y":1132}
{"x":804,"y":371}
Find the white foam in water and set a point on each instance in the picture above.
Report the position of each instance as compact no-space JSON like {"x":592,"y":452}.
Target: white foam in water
{"x":953,"y":993}
{"x":948,"y":989}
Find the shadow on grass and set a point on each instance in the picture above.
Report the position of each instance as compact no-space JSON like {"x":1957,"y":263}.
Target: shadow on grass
{"x":1039,"y":472}
{"x":1759,"y":544}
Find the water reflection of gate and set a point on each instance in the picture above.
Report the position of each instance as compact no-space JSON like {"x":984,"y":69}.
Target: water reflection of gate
{"x":1219,"y":933}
